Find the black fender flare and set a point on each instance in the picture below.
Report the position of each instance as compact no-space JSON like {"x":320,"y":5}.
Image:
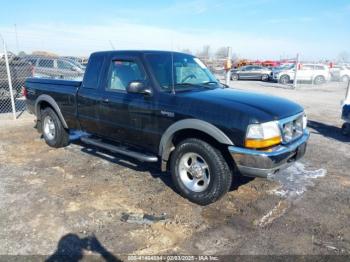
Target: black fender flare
{"x":52,"y":103}
{"x":166,"y":145}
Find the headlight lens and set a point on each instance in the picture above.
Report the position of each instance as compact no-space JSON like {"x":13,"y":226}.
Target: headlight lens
{"x":263,"y":135}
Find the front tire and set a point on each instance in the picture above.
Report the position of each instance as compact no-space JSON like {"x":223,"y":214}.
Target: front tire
{"x":53,"y":131}
{"x":200,"y":172}
{"x":319,"y":80}
{"x":284,"y":79}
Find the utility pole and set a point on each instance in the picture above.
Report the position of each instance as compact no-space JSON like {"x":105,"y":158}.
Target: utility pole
{"x":296,"y":71}
{"x":16,"y":34}
{"x":228,"y":70}
{"x":9,"y":78}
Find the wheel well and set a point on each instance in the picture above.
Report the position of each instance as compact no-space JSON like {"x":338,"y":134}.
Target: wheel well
{"x":41,"y":106}
{"x":183,"y":134}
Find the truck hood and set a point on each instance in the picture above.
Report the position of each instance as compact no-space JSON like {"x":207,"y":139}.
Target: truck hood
{"x":257,"y":107}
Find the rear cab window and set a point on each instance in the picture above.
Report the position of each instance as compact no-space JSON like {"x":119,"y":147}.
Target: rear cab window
{"x":93,"y":71}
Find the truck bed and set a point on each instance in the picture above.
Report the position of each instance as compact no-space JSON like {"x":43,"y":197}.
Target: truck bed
{"x":62,"y":91}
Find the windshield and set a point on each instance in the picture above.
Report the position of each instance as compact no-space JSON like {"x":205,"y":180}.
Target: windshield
{"x":180,"y":71}
{"x":285,"y":67}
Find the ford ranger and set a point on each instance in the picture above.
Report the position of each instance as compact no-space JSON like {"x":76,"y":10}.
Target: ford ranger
{"x":167,"y":107}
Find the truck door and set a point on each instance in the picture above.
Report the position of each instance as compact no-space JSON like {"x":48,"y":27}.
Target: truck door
{"x":89,"y":96}
{"x":122,"y":115}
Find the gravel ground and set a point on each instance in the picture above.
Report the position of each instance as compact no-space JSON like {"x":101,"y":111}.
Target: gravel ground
{"x":79,"y":200}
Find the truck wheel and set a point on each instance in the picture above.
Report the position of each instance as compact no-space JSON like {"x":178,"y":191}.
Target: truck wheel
{"x":284,"y":79}
{"x":319,"y":80}
{"x":200,"y":172}
{"x":53,"y":131}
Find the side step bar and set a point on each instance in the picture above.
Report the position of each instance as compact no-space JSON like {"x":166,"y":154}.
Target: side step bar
{"x":120,"y":150}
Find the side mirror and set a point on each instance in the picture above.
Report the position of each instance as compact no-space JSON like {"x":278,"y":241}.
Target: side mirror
{"x":138,"y":87}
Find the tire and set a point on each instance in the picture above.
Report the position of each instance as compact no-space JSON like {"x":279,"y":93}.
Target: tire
{"x":345,"y":129}
{"x":284,"y":80}
{"x":265,"y":77}
{"x":234,"y":77}
{"x":217,"y":175}
{"x":53,"y":131}
{"x":319,"y":80}
{"x":345,"y":79}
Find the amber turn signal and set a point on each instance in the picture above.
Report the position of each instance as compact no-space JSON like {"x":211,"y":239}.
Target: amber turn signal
{"x":262,"y":143}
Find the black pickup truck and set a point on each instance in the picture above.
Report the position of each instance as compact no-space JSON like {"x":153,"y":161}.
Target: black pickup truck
{"x":167,"y":107}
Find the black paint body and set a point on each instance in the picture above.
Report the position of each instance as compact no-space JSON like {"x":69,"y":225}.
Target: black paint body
{"x":141,"y":120}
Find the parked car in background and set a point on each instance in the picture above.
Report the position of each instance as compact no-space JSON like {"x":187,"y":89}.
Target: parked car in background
{"x":251,"y":72}
{"x":314,"y":73}
{"x":19,"y":70}
{"x":59,"y":68}
{"x":80,"y":62}
{"x":278,"y":69}
{"x":340,"y":73}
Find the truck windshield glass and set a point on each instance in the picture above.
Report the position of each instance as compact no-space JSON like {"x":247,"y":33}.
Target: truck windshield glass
{"x":181,"y":71}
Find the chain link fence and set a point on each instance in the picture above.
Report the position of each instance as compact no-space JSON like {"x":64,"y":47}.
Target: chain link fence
{"x":15,"y":69}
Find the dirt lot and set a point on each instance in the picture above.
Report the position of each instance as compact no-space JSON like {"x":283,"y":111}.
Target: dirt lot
{"x":77,"y":199}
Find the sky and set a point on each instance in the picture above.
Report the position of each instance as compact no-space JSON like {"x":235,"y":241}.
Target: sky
{"x":255,"y":29}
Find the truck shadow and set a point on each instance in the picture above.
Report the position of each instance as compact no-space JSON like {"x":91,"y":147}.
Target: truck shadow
{"x":152,"y":168}
{"x":329,"y":131}
{"x":128,"y":162}
{"x":71,"y":248}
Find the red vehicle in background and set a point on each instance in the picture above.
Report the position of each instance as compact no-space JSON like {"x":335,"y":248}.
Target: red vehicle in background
{"x":270,"y":63}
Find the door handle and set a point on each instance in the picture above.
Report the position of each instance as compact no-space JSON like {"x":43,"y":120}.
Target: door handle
{"x":105,"y":100}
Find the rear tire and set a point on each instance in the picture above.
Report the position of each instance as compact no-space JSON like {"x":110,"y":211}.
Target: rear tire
{"x":53,"y":131}
{"x":199,"y":171}
{"x":319,"y":80}
{"x":284,"y":80}
{"x":264,"y":77}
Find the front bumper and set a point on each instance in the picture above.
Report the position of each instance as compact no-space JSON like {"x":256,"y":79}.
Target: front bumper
{"x":257,"y":163}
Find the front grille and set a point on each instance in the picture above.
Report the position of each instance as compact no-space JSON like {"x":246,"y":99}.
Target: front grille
{"x":292,"y":128}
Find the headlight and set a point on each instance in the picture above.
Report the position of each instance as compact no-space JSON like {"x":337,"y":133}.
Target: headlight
{"x":263,"y":135}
